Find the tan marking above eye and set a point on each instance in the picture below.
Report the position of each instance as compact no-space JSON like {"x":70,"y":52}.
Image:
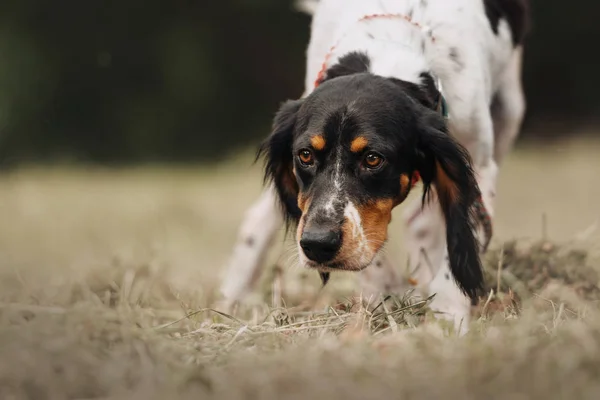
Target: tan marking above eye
{"x":358,"y":144}
{"x":317,"y":142}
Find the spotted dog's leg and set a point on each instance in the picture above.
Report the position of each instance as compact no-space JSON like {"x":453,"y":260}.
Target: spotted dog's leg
{"x":427,"y":248}
{"x":508,"y":108}
{"x":262,"y":220}
{"x":382,"y":278}
{"x":425,"y":238}
{"x":507,"y":113}
{"x":449,"y":303}
{"x":486,"y":180}
{"x":426,"y":241}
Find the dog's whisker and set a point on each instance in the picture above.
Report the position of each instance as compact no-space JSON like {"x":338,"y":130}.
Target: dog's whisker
{"x":292,"y":260}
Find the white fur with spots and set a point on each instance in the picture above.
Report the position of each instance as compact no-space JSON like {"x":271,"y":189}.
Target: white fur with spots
{"x":485,"y":65}
{"x":258,"y":229}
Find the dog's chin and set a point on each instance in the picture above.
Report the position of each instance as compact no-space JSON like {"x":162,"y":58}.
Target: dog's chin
{"x":335,"y":266}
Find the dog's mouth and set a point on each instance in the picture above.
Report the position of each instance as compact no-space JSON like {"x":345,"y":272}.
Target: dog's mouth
{"x":336,"y":266}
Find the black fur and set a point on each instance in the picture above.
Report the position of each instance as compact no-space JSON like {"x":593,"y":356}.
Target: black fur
{"x":277,"y":150}
{"x":436,"y":145}
{"x":429,"y":88}
{"x":515,"y":12}
{"x":352,"y":63}
{"x":399,"y":122}
{"x":324,"y":277}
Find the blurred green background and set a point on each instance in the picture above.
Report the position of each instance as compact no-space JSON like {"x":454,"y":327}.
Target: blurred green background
{"x":134,"y":81}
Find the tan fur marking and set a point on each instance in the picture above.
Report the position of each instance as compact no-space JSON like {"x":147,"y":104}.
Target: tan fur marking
{"x":375,"y":217}
{"x":348,"y":245}
{"x":288,"y":180}
{"x":446,"y":187}
{"x":303,"y":202}
{"x":358,"y":144}
{"x":300,"y":228}
{"x":303,"y":205}
{"x":404,"y":188}
{"x":317,"y":142}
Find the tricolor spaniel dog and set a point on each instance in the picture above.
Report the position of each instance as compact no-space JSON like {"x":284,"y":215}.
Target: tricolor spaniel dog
{"x":397,"y":92}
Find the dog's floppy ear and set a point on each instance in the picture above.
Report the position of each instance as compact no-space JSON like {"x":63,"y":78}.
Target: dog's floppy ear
{"x":445,"y":164}
{"x":277,"y":149}
{"x":355,"y":62}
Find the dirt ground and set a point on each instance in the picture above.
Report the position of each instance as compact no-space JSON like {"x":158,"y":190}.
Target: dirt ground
{"x":109,"y":283}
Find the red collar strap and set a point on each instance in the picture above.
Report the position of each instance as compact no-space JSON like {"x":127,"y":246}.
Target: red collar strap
{"x":416,"y":177}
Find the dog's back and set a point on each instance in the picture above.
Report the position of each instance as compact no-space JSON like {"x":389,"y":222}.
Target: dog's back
{"x":472,"y":36}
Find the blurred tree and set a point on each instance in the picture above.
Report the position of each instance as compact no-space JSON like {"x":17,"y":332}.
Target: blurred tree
{"x":560,"y":67}
{"x":184,"y":80}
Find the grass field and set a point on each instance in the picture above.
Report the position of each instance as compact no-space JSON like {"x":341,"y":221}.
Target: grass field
{"x":99,"y":269}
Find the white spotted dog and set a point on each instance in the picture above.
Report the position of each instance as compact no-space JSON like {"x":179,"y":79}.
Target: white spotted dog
{"x":397,"y":91}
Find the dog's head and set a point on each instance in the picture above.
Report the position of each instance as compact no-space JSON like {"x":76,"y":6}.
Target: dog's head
{"x":343,"y":157}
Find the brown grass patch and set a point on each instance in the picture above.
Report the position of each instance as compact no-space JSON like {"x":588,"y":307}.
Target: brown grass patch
{"x":108,"y":290}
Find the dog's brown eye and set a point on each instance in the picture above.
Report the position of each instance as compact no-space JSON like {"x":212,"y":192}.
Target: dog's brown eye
{"x":306,"y":157}
{"x":373,"y":160}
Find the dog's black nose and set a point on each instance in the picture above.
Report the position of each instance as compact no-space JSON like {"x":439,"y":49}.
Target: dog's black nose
{"x":320,"y":245}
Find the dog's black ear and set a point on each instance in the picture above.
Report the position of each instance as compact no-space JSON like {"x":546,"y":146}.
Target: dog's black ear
{"x":445,"y":164}
{"x":424,"y":93}
{"x":277,"y":150}
{"x":355,"y":62}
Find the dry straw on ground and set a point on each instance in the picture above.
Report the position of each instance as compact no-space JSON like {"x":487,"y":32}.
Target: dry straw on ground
{"x":125,"y":334}
{"x":108,"y":291}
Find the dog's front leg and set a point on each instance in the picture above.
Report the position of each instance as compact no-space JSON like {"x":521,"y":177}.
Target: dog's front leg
{"x":426,"y":244}
{"x":262,"y":220}
{"x":382,"y":278}
{"x":508,"y":108}
{"x":449,"y":302}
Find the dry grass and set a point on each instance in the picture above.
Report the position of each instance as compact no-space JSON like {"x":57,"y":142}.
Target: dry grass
{"x":108,"y":290}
